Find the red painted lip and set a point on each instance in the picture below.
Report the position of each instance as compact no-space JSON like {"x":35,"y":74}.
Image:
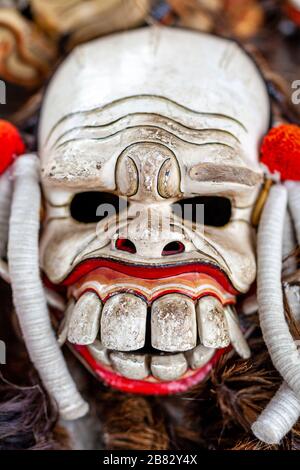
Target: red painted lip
{"x":149,"y":272}
{"x":142,"y":387}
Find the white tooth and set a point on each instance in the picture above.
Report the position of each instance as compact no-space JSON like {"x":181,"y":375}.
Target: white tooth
{"x":99,"y":352}
{"x":123,"y":322}
{"x":85,"y":319}
{"x":132,"y":366}
{"x":199,"y":356}
{"x":173,"y":323}
{"x":236,"y":336}
{"x":64,"y":326}
{"x":212,"y":325}
{"x":168,"y":367}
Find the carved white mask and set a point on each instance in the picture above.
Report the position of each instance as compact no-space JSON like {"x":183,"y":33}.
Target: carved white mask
{"x":162,"y":120}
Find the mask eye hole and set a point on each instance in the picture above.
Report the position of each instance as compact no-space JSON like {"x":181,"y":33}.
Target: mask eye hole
{"x":93,"y":206}
{"x":207,"y":210}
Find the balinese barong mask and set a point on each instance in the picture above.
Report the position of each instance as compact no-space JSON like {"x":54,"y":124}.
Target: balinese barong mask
{"x":148,"y":158}
{"x":148,"y":148}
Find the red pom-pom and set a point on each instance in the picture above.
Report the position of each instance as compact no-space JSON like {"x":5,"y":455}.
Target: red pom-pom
{"x":280,"y":151}
{"x":293,"y":12}
{"x":11,"y":145}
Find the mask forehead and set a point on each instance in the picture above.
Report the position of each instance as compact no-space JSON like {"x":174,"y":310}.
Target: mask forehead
{"x":202,"y":82}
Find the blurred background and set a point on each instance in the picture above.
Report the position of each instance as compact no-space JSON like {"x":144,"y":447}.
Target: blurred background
{"x":35,"y":36}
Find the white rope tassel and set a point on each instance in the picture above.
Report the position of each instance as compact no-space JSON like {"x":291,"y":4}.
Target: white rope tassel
{"x":5,"y":202}
{"x":293,"y":188}
{"x":278,"y":417}
{"x":289,"y":244}
{"x":280,"y":343}
{"x":28,"y":293}
{"x":283,"y":410}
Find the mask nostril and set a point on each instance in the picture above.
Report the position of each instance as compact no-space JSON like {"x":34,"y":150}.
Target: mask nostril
{"x":173,"y":248}
{"x":123,"y":244}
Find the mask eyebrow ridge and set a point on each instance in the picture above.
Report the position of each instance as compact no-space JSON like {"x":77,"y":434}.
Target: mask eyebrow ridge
{"x":224,"y":174}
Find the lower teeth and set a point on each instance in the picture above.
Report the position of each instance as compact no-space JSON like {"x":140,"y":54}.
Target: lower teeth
{"x":199,"y":356}
{"x":132,"y":366}
{"x":99,"y":352}
{"x":170,"y":367}
{"x":162,"y":366}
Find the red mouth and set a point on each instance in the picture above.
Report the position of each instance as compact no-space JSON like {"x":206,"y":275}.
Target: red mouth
{"x":149,"y":272}
{"x":102,"y":275}
{"x":143,"y":387}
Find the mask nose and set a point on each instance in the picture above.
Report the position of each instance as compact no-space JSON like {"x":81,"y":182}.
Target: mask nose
{"x":171,"y":248}
{"x":124,"y":244}
{"x":151,"y":234}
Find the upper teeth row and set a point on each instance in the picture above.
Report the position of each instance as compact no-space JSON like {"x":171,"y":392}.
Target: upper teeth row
{"x":175,"y":320}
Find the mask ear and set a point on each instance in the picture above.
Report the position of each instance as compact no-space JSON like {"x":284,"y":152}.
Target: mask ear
{"x":28,"y":292}
{"x":280,"y":152}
